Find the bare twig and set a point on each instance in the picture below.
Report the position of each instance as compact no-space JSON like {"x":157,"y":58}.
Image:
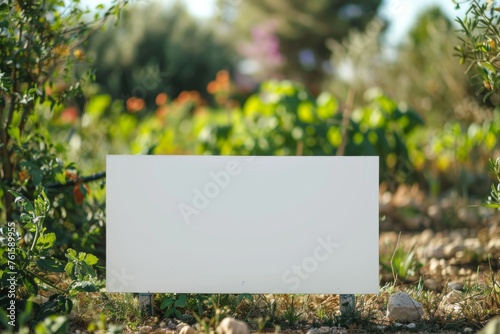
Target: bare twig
{"x":84,"y":179}
{"x":345,"y":122}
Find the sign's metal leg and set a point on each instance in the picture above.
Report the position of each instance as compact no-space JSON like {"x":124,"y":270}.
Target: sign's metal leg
{"x":347,"y":304}
{"x":146,"y":303}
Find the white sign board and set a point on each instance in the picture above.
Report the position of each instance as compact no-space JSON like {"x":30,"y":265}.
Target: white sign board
{"x":234,"y":224}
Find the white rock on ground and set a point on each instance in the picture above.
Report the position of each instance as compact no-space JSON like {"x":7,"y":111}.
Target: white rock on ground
{"x":493,"y":327}
{"x":187,"y":330}
{"x":401,"y":307}
{"x":232,"y":326}
{"x":145,"y":329}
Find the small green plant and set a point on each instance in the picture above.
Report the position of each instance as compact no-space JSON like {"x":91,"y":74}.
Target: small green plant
{"x":28,"y":267}
{"x":480,"y":45}
{"x":494,"y":198}
{"x":291,"y":315}
{"x":403,"y":264}
{"x":172,"y":304}
{"x":324,"y":315}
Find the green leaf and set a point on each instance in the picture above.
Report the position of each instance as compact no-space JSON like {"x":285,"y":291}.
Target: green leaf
{"x":50,"y":264}
{"x":87,"y":270}
{"x":60,"y":177}
{"x":178,"y":314}
{"x":91,"y":259}
{"x":167,"y":302}
{"x":15,"y":133}
{"x":46,"y":241}
{"x":71,"y":254}
{"x":169,"y":312}
{"x":29,"y":282}
{"x":70,"y":266}
{"x":181,"y":301}
{"x":25,"y":218}
{"x":84,"y":286}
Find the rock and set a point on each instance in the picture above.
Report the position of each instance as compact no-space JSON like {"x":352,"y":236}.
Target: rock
{"x":473,"y":245}
{"x":425,"y":236}
{"x":468,"y":330}
{"x":451,"y":249}
{"x":145,"y":329}
{"x":456,"y":285}
{"x":232,"y":326}
{"x":493,"y":327}
{"x":431,"y":284}
{"x":401,"y":307}
{"x":493,"y":246}
{"x":324,"y":330}
{"x":434,"y":265}
{"x":180,"y":326}
{"x":187,"y":330}
{"x":434,"y":211}
{"x":321,"y":330}
{"x":436,"y":251}
{"x":411,"y":325}
{"x":451,"y":271}
{"x":161,"y":331}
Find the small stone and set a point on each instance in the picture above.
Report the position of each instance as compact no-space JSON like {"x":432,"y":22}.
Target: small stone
{"x":161,"y":331}
{"x":411,"y":325}
{"x":493,"y":327}
{"x":401,"y":307}
{"x":144,"y":329}
{"x":431,"y":284}
{"x":324,"y":330}
{"x":468,"y":330}
{"x":437,"y":251}
{"x":434,"y":265}
{"x":434,"y":212}
{"x":232,"y":326}
{"x":180,"y":326}
{"x":187,"y":330}
{"x":457,"y":285}
{"x":473,"y":245}
{"x":452,"y":249}
{"x":171,"y":325}
{"x":493,"y":246}
{"x":451,"y":271}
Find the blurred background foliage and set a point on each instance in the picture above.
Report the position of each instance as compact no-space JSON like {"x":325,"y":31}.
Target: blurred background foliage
{"x":301,"y":29}
{"x":253,"y":79}
{"x":157,"y":48}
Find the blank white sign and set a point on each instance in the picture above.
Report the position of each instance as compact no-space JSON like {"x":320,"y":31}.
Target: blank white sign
{"x":228,"y":224}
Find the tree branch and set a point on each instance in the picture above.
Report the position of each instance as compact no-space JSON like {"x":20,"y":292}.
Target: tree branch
{"x":84,"y":179}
